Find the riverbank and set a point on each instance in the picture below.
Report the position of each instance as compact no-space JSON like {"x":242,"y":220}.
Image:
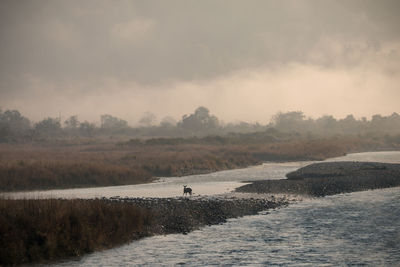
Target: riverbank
{"x":61,"y":165}
{"x":49,"y":230}
{"x":183,"y":215}
{"x":330,"y":178}
{"x":40,"y":231}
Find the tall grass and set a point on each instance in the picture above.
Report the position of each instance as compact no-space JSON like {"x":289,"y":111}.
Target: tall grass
{"x":34,"y":231}
{"x":47,"y":175}
{"x":28,"y":167}
{"x":45,"y":230}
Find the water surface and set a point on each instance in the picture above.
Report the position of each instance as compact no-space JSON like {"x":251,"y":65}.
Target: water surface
{"x":354,"y":229}
{"x":205,"y":184}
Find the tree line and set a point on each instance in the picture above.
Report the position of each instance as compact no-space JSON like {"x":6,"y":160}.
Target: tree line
{"x":16,"y":127}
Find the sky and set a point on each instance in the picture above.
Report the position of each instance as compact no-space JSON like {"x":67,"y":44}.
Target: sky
{"x":243,"y":60}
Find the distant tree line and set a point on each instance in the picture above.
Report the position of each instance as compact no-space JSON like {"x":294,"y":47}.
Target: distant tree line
{"x":296,"y":121}
{"x":15,"y":127}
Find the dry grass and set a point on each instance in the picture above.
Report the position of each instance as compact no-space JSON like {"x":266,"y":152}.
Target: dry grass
{"x":34,"y":231}
{"x":45,"y":230}
{"x":28,"y":167}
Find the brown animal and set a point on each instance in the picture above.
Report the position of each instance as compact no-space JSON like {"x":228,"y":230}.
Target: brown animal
{"x":187,"y":190}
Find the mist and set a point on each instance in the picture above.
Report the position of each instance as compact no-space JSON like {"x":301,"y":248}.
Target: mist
{"x":245,"y":61}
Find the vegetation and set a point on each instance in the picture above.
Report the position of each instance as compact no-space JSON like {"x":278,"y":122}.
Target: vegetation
{"x":33,"y":231}
{"x":68,"y":165}
{"x":45,"y":230}
{"x":54,"y":154}
{"x":16,"y":128}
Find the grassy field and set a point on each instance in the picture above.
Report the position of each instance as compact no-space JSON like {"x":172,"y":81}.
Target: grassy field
{"x":69,"y":165}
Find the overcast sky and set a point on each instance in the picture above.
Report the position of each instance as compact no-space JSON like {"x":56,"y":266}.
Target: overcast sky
{"x":244,"y":60}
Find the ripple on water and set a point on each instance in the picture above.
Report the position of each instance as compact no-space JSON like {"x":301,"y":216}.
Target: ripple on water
{"x":356,"y":229}
{"x":340,"y":230}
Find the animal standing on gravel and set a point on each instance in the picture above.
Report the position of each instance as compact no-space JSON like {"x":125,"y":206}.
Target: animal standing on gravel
{"x":187,"y":190}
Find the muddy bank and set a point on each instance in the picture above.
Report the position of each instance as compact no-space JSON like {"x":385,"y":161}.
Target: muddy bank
{"x":329,"y":178}
{"x":185,"y":214}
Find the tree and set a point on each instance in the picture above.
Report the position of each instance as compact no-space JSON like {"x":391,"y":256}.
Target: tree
{"x":110,"y":122}
{"x":13,"y":125}
{"x":394,"y":122}
{"x":290,"y":121}
{"x":48,"y":127}
{"x":148,"y":119}
{"x":72,"y":122}
{"x":168,"y":121}
{"x":386,"y":123}
{"x":326,"y":124}
{"x":350,"y":125}
{"x":199,"y":121}
{"x":87,"y":129}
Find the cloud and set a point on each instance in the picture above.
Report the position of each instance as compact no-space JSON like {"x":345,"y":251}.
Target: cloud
{"x":244,"y":60}
{"x":62,"y":34}
{"x":258,"y":94}
{"x":248,"y":95}
{"x":133,"y":30}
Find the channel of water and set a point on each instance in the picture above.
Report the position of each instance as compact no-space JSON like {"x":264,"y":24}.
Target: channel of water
{"x":355,"y":229}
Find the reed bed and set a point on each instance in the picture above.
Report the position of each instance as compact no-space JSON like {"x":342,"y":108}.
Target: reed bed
{"x":46,"y":230}
{"x":43,"y":231}
{"x":50,"y":166}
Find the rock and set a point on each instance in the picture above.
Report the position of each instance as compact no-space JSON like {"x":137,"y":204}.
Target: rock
{"x":182,"y":215}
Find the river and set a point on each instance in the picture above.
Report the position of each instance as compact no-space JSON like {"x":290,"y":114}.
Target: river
{"x":204,"y":184}
{"x":355,"y":229}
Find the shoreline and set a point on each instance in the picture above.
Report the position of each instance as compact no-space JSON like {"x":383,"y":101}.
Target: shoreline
{"x":187,"y":172}
{"x":54,"y":230}
{"x":162,"y":216}
{"x":30,"y":167}
{"x":330,"y":178}
{"x":184,"y":214}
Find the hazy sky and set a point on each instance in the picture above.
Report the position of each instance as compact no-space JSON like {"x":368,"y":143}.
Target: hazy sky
{"x":244,"y":60}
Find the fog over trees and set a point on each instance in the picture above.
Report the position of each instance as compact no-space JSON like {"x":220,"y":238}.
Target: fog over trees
{"x":14,"y":127}
{"x":244,"y":60}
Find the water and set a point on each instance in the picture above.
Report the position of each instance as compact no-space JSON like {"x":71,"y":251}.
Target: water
{"x":355,"y":229}
{"x":206,"y":184}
